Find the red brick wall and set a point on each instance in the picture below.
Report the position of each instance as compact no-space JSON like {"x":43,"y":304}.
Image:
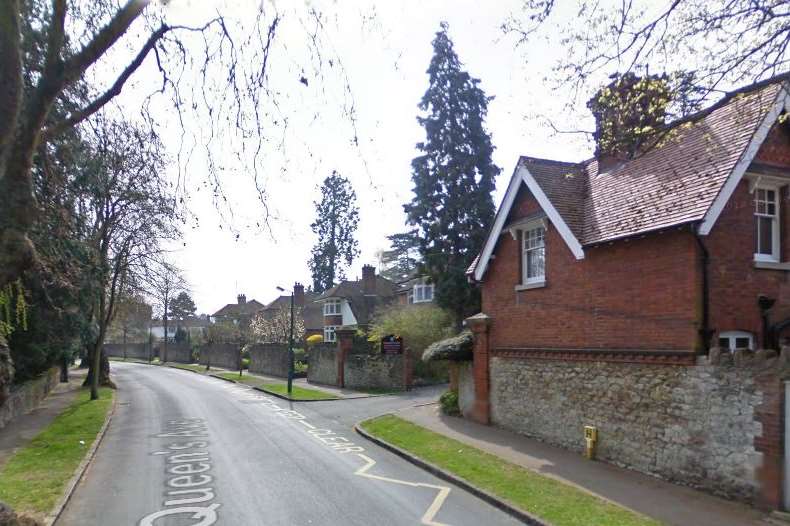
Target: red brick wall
{"x":776,"y":148}
{"x":734,"y":281}
{"x":639,"y":294}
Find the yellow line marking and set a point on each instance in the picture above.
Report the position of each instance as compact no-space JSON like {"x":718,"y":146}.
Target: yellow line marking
{"x":432,"y":510}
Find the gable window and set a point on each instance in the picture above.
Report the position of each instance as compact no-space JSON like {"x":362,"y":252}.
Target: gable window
{"x":329,"y":333}
{"x":332,"y":307}
{"x":732,"y":340}
{"x":766,"y":224}
{"x":533,"y":255}
{"x":423,"y":293}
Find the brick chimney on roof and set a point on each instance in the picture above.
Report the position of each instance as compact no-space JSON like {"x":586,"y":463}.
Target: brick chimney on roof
{"x":242,"y":299}
{"x":369,"y":280}
{"x":298,"y":294}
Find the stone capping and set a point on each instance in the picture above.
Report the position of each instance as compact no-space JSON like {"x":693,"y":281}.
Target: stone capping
{"x":640,"y":356}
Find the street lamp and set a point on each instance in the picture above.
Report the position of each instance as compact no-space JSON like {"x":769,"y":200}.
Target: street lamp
{"x":290,"y":344}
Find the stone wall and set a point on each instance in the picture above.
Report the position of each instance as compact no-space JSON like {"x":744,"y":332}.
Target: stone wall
{"x":133,"y":350}
{"x":269,"y":358}
{"x":226,"y":355}
{"x":378,"y":371}
{"x":27,"y":396}
{"x":466,"y":388}
{"x":179,"y":352}
{"x":322,"y":364}
{"x":694,"y":425}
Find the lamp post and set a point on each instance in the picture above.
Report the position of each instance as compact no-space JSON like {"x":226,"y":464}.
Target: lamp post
{"x":290,"y":345}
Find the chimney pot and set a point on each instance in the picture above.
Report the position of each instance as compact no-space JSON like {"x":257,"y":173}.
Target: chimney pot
{"x":298,"y":294}
{"x":369,"y":279}
{"x":242,"y":299}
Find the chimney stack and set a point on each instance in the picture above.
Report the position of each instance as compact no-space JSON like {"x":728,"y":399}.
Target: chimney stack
{"x":242,"y":299}
{"x":369,"y":280}
{"x":298,"y":294}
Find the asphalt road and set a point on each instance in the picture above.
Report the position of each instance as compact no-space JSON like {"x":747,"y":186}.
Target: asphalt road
{"x":184,"y":449}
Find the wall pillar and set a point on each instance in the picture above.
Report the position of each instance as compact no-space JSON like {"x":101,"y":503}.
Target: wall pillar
{"x":345,"y":338}
{"x":479,"y":324}
{"x":770,"y":414}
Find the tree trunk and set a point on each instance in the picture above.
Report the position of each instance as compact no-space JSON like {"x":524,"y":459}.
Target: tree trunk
{"x":6,"y":370}
{"x":103,"y":366}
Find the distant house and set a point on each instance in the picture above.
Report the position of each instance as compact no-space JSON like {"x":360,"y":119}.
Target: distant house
{"x":415,"y":289}
{"x":196,"y":327}
{"x":312,"y":313}
{"x":240,"y":313}
{"x":352,"y":303}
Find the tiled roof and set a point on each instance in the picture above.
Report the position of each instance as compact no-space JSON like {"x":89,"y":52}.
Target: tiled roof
{"x":239,"y":309}
{"x":674,"y":183}
{"x":361,"y":305}
{"x":671,"y":184}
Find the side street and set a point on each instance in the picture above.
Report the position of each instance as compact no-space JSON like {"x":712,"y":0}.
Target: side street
{"x":446,"y":264}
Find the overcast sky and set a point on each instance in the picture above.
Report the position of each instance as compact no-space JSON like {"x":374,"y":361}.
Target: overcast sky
{"x":385,"y":49}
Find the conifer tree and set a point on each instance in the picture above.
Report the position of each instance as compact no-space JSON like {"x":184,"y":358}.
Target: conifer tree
{"x":453,"y":177}
{"x":337,"y":217}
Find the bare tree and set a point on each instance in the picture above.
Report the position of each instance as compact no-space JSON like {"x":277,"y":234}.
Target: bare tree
{"x":276,"y":327}
{"x":217,"y":69}
{"x":133,"y":211}
{"x":708,"y":44}
{"x":165,"y":281}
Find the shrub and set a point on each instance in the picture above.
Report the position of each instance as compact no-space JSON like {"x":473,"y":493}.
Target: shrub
{"x":245,"y":363}
{"x":419,"y":326}
{"x":449,"y":403}
{"x":314,"y":339}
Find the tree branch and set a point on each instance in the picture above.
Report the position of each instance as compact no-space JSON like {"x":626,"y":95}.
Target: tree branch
{"x":114,"y":91}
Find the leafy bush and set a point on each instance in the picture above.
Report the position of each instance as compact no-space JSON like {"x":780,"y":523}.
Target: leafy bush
{"x":419,"y":326}
{"x":245,"y":363}
{"x":449,"y":403}
{"x":314,"y":339}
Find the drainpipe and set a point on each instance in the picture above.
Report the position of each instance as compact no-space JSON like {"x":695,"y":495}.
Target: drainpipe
{"x":704,"y":331}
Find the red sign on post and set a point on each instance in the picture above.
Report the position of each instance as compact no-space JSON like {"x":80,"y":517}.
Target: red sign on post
{"x":391,"y":345}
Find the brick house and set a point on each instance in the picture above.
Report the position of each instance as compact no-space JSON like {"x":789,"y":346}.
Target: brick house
{"x":239,"y":313}
{"x":415,"y":289}
{"x":312,"y":313}
{"x":352,"y":303}
{"x":649,"y":298}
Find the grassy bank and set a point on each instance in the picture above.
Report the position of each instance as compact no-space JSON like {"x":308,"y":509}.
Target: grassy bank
{"x":297,"y":393}
{"x":35,"y":477}
{"x":544,"y":497}
{"x":188,"y":367}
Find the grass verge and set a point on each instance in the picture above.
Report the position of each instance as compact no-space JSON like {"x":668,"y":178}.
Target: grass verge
{"x":33,"y":479}
{"x":299,"y":394}
{"x":543,"y":497}
{"x":155,"y":361}
{"x":188,"y":367}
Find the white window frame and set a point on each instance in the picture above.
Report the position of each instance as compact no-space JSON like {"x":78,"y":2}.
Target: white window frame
{"x":330,"y":334}
{"x":732,"y":336}
{"x":410,"y":296}
{"x":332,"y":308}
{"x":527,"y":280}
{"x":776,"y":251}
{"x":420,"y":294}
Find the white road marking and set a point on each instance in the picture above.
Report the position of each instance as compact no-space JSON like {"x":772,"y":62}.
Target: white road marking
{"x":432,"y":510}
{"x":307,"y":424}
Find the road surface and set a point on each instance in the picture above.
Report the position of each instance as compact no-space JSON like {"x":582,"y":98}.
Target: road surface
{"x":184,"y":449}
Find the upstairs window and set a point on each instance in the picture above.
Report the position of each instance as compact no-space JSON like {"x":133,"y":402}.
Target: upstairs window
{"x":329,"y":333}
{"x":732,"y":340}
{"x":332,"y":308}
{"x":423,"y":293}
{"x":534,"y":255}
{"x":766,"y":224}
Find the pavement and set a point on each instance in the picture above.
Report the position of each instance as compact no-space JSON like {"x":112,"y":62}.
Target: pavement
{"x":190,"y":449}
{"x":669,"y":503}
{"x":24,"y":428}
